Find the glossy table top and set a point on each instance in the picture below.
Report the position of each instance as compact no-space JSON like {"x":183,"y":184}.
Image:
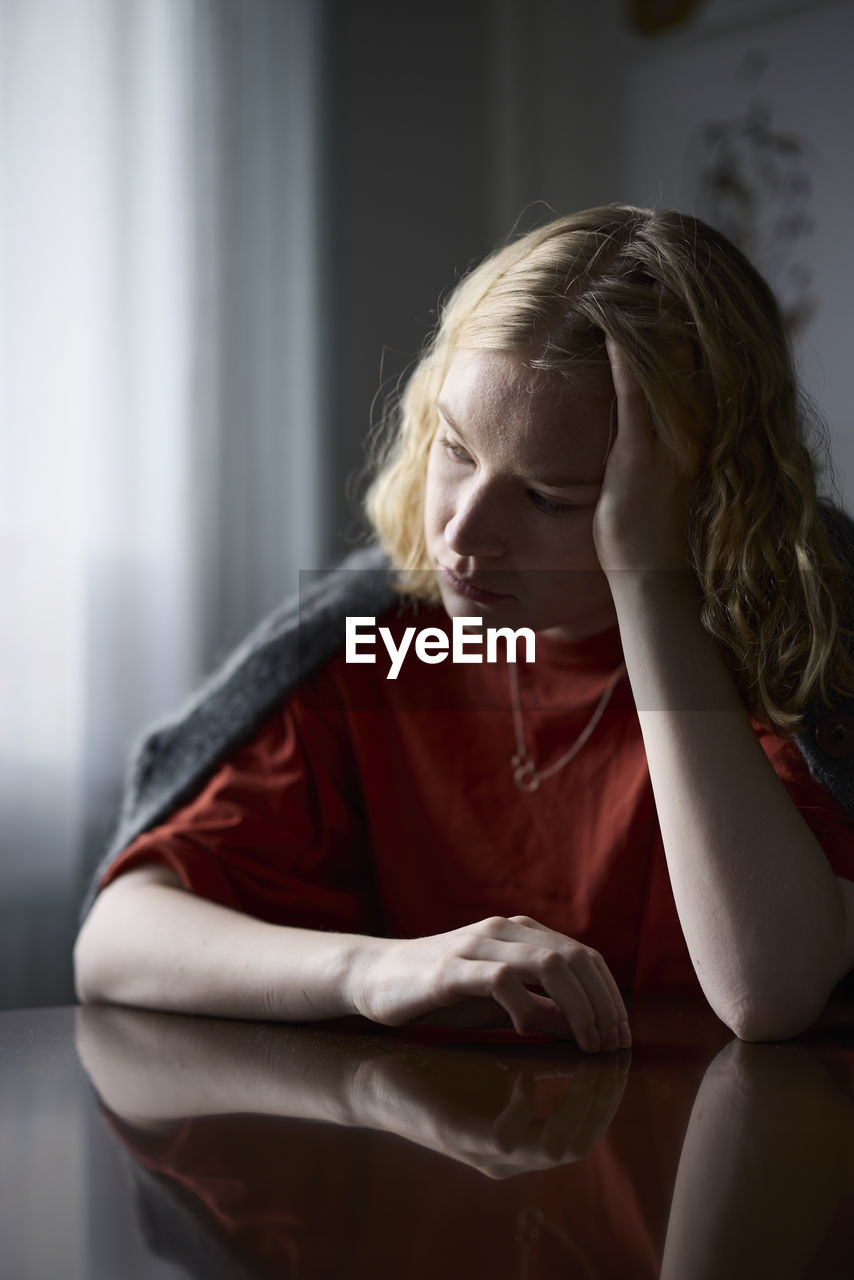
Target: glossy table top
{"x":146,"y":1145}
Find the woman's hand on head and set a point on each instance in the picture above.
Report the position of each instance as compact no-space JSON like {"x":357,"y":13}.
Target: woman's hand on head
{"x":641,"y":516}
{"x":482,"y":974}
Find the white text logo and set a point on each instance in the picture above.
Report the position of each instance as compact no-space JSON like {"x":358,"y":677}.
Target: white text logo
{"x":431,"y":643}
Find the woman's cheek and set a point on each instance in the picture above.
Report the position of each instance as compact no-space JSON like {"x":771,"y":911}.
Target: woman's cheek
{"x":439,"y":503}
{"x":573,"y":541}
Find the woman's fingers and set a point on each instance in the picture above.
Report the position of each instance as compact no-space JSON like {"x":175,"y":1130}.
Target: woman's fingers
{"x":611,"y":1010}
{"x":498,"y":981}
{"x":603,"y":984}
{"x":498,"y":964}
{"x":575,"y":977}
{"x":621,"y":1017}
{"x":640,"y":519}
{"x":631,"y":401}
{"x":467,"y":980}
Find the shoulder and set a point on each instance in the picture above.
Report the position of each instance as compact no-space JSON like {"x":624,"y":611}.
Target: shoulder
{"x":826,"y":744}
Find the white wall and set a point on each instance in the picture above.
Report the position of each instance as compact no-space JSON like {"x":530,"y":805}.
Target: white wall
{"x":620,"y":115}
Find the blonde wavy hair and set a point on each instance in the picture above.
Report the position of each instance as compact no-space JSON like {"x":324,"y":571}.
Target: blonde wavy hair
{"x":775,"y":593}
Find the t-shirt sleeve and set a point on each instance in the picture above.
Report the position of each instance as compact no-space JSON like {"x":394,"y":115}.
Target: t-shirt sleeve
{"x":823,"y":814}
{"x":278,"y":831}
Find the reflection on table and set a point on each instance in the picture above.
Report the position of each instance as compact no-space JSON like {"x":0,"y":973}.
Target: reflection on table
{"x":345,"y":1152}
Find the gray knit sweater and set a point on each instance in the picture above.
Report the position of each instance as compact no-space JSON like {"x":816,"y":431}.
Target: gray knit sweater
{"x":177,"y":755}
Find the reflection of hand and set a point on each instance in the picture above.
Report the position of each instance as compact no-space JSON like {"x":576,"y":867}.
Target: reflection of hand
{"x":766,"y":1159}
{"x":502,"y":1113}
{"x":640,"y":518}
{"x":480,"y":975}
{"x":497,"y":1119}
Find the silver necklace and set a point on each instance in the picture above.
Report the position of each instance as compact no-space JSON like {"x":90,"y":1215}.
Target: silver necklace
{"x":526,"y":775}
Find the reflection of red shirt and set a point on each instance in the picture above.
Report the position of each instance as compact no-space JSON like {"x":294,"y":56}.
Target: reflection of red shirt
{"x":300,"y":1198}
{"x":372,"y":805}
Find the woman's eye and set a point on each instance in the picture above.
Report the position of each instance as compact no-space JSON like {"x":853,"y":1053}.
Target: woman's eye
{"x":455,"y":450}
{"x":549,"y":505}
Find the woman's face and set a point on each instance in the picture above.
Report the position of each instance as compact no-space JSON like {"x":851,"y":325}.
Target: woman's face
{"x":513,"y":477}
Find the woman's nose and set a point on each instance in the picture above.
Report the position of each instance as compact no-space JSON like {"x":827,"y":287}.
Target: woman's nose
{"x":475,"y":529}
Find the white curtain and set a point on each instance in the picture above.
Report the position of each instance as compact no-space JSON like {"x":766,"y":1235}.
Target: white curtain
{"x":159,"y":399}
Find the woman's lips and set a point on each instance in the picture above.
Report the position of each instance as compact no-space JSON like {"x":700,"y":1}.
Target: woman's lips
{"x":464,"y":587}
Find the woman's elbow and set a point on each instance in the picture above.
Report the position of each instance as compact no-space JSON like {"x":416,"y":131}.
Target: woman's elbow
{"x":763,"y":1021}
{"x":113,"y":935}
{"x":98,"y":956}
{"x":86,"y":966}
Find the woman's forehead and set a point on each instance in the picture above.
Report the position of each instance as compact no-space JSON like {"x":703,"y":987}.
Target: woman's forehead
{"x":554,"y":426}
{"x":506,"y":375}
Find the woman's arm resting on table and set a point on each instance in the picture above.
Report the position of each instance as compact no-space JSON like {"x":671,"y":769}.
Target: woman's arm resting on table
{"x":769,"y":927}
{"x":149,"y":942}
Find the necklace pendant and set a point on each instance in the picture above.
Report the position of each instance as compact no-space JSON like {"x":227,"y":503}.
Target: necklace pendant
{"x":525,"y":774}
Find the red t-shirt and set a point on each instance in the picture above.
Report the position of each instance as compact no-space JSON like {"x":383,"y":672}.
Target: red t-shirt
{"x":388,"y":806}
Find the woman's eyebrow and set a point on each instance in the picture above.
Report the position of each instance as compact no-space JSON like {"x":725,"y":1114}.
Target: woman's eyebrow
{"x":442,"y":408}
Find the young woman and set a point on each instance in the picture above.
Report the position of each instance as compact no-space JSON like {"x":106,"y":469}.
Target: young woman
{"x":603,"y":443}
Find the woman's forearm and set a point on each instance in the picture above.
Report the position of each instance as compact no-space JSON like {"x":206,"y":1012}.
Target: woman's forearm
{"x":768,"y":927}
{"x":147,"y":942}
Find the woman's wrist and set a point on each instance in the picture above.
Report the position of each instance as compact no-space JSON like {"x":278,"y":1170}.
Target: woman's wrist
{"x":356,"y":963}
{"x":674,"y":664}
{"x":672,"y":587}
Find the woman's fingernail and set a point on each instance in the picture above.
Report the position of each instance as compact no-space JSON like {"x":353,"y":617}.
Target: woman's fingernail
{"x":592,"y":1041}
{"x":612,"y":1039}
{"x":625,"y":1036}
